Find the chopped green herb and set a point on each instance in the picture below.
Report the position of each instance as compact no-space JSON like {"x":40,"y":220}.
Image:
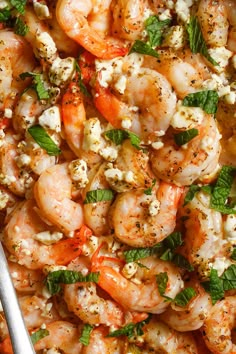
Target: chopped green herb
{"x":229,"y":278}
{"x":117,"y":136}
{"x":38,"y":84}
{"x":131,"y":329}
{"x":233,"y":254}
{"x":19,"y":5}
{"x":43,"y":140}
{"x":143,"y":48}
{"x":162,"y":281}
{"x":98,"y":195}
{"x":85,"y":336}
{"x":20,"y":27}
{"x":207,"y":100}
{"x":196,"y":40}
{"x":214,"y":286}
{"x":5,"y":14}
{"x":193,"y":189}
{"x":54,"y":279}
{"x":181,"y":262}
{"x":167,"y":255}
{"x":184,"y":137}
{"x":139,"y":253}
{"x":184,"y":296}
{"x":173,"y":240}
{"x":39,"y":334}
{"x":155,"y":29}
{"x":82,"y":86}
{"x":148,"y":191}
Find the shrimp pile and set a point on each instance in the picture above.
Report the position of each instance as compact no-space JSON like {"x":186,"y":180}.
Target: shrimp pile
{"x":118,"y":174}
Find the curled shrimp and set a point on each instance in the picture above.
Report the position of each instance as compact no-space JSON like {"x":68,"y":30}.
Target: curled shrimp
{"x":231,"y":13}
{"x":218,"y":326}
{"x":185,"y":164}
{"x":84,"y":300}
{"x":132,"y":218}
{"x":58,"y":208}
{"x":25,"y":280}
{"x":142,"y":293}
{"x":192,"y":316}
{"x":20,"y":239}
{"x":73,"y":17}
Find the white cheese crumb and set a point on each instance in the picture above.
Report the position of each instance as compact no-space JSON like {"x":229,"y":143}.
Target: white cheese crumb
{"x":51,"y":119}
{"x":126,"y":123}
{"x":221,"y":55}
{"x":53,"y":351}
{"x":90,"y":246}
{"x":48,"y":238}
{"x":157,"y":145}
{"x":23,"y":160}
{"x":8,"y":113}
{"x":187,"y":117}
{"x":182,"y":9}
{"x":220,"y":264}
{"x":165,"y":15}
{"x":41,"y":10}
{"x":109,"y":153}
{"x":62,"y":71}
{"x":46,"y":47}
{"x":154,"y":207}
{"x":92,"y":135}
{"x":230,"y":228}
{"x":78,"y":172}
{"x":120,"y":181}
{"x":175,"y":37}
{"x":120,"y":84}
{"x":4,"y":199}
{"x":129,"y":270}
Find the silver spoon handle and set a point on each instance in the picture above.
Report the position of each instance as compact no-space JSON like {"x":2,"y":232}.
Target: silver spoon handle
{"x":20,"y":339}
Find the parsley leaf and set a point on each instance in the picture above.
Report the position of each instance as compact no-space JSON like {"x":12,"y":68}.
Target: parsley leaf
{"x":196,"y":40}
{"x":39,"y":334}
{"x":143,"y":48}
{"x":44,"y":140}
{"x":131,"y":329}
{"x":117,"y":136}
{"x":207,"y":100}
{"x":184,"y":137}
{"x":162,"y":281}
{"x":184,"y":296}
{"x":85,"y":335}
{"x":155,"y":29}
{"x":98,"y":195}
{"x":54,"y":279}
{"x":148,"y":191}
{"x":38,"y":84}
{"x":20,"y":27}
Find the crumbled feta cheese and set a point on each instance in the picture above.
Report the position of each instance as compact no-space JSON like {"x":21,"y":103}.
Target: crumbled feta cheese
{"x":230,"y":98}
{"x":129,"y":270}
{"x":41,"y":10}
{"x":230,"y":228}
{"x":23,"y":160}
{"x":187,"y":117}
{"x":220,"y":264}
{"x":154,"y":207}
{"x":48,"y":238}
{"x":109,"y":153}
{"x":78,"y":172}
{"x":46,"y":47}
{"x":51,"y":119}
{"x":157,"y":145}
{"x":90,"y":246}
{"x":107,"y":68}
{"x":165,"y":15}
{"x":53,"y":351}
{"x":221,"y":55}
{"x":7,"y":180}
{"x":126,"y":123}
{"x":92,"y":135}
{"x":120,"y":181}
{"x":182,"y":9}
{"x":62,"y":71}
{"x":4,"y":199}
{"x":175,"y":37}
{"x":8,"y":113}
{"x":120,"y":84}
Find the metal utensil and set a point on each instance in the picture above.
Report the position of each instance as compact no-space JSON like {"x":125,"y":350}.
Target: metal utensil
{"x":20,"y":338}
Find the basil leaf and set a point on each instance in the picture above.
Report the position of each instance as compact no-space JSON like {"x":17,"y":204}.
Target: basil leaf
{"x":221,"y":191}
{"x":19,"y":5}
{"x":155,"y":29}
{"x":20,"y":27}
{"x":85,"y":336}
{"x":162,"y":281}
{"x":148,"y":191}
{"x":143,"y":48}
{"x":117,"y":136}
{"x":131,"y":329}
{"x":181,"y":262}
{"x":229,"y":278}
{"x":39,"y":334}
{"x":184,"y":137}
{"x":5,"y":14}
{"x":196,"y":40}
{"x":54,"y":279}
{"x":139,"y":253}
{"x":43,"y":140}
{"x":184,"y":296}
{"x":98,"y":195}
{"x":82,"y":86}
{"x":207,"y":100}
{"x":233,"y":254}
{"x":38,"y":84}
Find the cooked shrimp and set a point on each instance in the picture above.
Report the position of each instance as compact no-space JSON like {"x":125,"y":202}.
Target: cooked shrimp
{"x":84,"y":300}
{"x":192,"y":316}
{"x":140,"y":293}
{"x":128,"y":18}
{"x":16,"y":57}
{"x":25,"y":280}
{"x":160,"y":338}
{"x":136,"y":223}
{"x":183,"y":165}
{"x":146,"y":92}
{"x":218,"y":326}
{"x":212,"y":16}
{"x":56,"y":207}
{"x":231,"y":13}
{"x":20,"y":239}
{"x":74,"y":18}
